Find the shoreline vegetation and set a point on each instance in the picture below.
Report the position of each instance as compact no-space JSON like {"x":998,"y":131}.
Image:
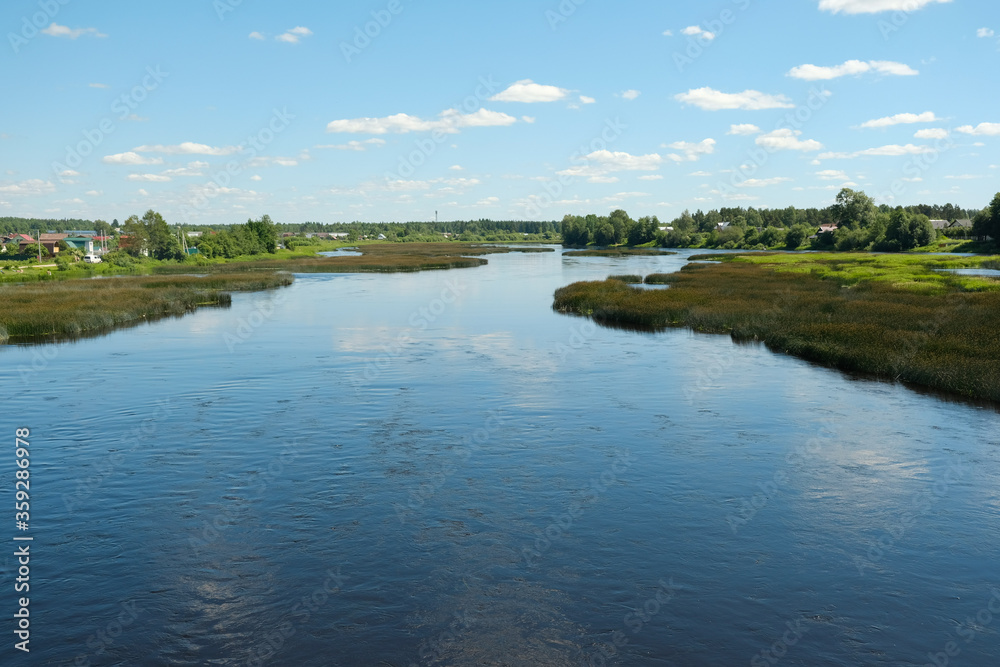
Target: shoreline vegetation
{"x":895,"y":317}
{"x":72,"y":303}
{"x":73,"y":308}
{"x":621,"y":251}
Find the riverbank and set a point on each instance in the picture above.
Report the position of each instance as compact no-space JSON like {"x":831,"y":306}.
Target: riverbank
{"x":59,"y":309}
{"x":898,"y":317}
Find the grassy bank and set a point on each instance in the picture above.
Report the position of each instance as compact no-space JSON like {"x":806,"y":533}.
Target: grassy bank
{"x":78,"y":307}
{"x":892,"y":316}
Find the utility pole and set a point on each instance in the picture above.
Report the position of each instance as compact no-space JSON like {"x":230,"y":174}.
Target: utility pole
{"x":39,"y":246}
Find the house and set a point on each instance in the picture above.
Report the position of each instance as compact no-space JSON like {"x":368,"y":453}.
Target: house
{"x":84,"y":243}
{"x":828,"y":227}
{"x":381,"y":237}
{"x":17,"y":238}
{"x":942,"y":225}
{"x":48,"y":241}
{"x":78,"y":232}
{"x":194,"y":235}
{"x":666,"y":229}
{"x":722,"y":225}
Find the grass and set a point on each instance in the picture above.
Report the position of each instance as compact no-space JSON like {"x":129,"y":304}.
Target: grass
{"x":78,"y":307}
{"x":659,"y":279}
{"x":375,"y":258}
{"x":890,"y":316}
{"x":616,"y":252}
{"x":631,"y":279}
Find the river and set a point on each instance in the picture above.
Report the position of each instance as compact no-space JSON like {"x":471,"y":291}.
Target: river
{"x":437,"y":469}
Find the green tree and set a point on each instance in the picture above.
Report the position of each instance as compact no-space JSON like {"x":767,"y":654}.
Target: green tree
{"x":605,"y":235}
{"x":163,"y":244}
{"x":854,"y":209}
{"x":797,"y":235}
{"x":135,"y":238}
{"x":265,"y":232}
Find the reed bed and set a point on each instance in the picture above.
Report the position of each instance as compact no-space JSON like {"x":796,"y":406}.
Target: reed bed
{"x":945,"y":336}
{"x":375,"y":258}
{"x":629,"y":278}
{"x":78,"y":307}
{"x":659,"y":278}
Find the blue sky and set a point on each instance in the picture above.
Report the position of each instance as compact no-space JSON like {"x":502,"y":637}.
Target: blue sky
{"x":213,"y":111}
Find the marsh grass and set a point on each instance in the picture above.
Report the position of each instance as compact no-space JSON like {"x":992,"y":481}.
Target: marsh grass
{"x":72,"y":308}
{"x":376,"y":258}
{"x":660,"y":278}
{"x":938,"y":331}
{"x":631,"y":279}
{"x":616,"y":252}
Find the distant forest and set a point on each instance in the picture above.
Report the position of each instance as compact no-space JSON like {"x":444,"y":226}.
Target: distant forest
{"x":787,"y":217}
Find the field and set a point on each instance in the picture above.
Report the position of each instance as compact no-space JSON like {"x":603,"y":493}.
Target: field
{"x":60,"y":309}
{"x":892,"y":316}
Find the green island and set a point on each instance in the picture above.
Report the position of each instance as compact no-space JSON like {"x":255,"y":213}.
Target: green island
{"x":897,"y":317}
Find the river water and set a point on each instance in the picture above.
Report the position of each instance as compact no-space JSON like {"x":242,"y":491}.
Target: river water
{"x":437,"y":469}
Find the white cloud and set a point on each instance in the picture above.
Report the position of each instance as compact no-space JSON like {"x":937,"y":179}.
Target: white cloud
{"x":833,"y":175}
{"x":932,"y":133}
{"x":68,"y":173}
{"x":587,"y":100}
{"x":603,"y":162}
{"x":749,"y":100}
{"x":875,"y":6}
{"x":136,"y":118}
{"x":98,"y":85}
{"x":603,"y":179}
{"x":93,"y":193}
{"x":528,"y":92}
{"x":651,"y":177}
{"x":700,"y":173}
{"x":668,"y":33}
{"x":189,"y":148}
{"x":256,"y":177}
{"x":143,"y":192}
{"x":892,"y":150}
{"x":149,"y":178}
{"x":963,"y":177}
{"x":851,"y":67}
{"x":131,"y":158}
{"x":193,"y":169}
{"x":762,"y":182}
{"x":983,"y":129}
{"x":696,"y":31}
{"x":985,"y":33}
{"x":787,"y":140}
{"x":528,"y":119}
{"x":257,"y":35}
{"x":744,"y":129}
{"x":355,"y":145}
{"x":456,"y":167}
{"x":488,"y":201}
{"x":901,"y":119}
{"x":294,"y":35}
{"x":56,"y":30}
{"x":35,"y":186}
{"x":631,"y":94}
{"x":450,"y":122}
{"x":692,"y":151}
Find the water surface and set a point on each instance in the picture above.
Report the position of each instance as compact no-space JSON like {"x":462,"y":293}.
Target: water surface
{"x":437,"y":469}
